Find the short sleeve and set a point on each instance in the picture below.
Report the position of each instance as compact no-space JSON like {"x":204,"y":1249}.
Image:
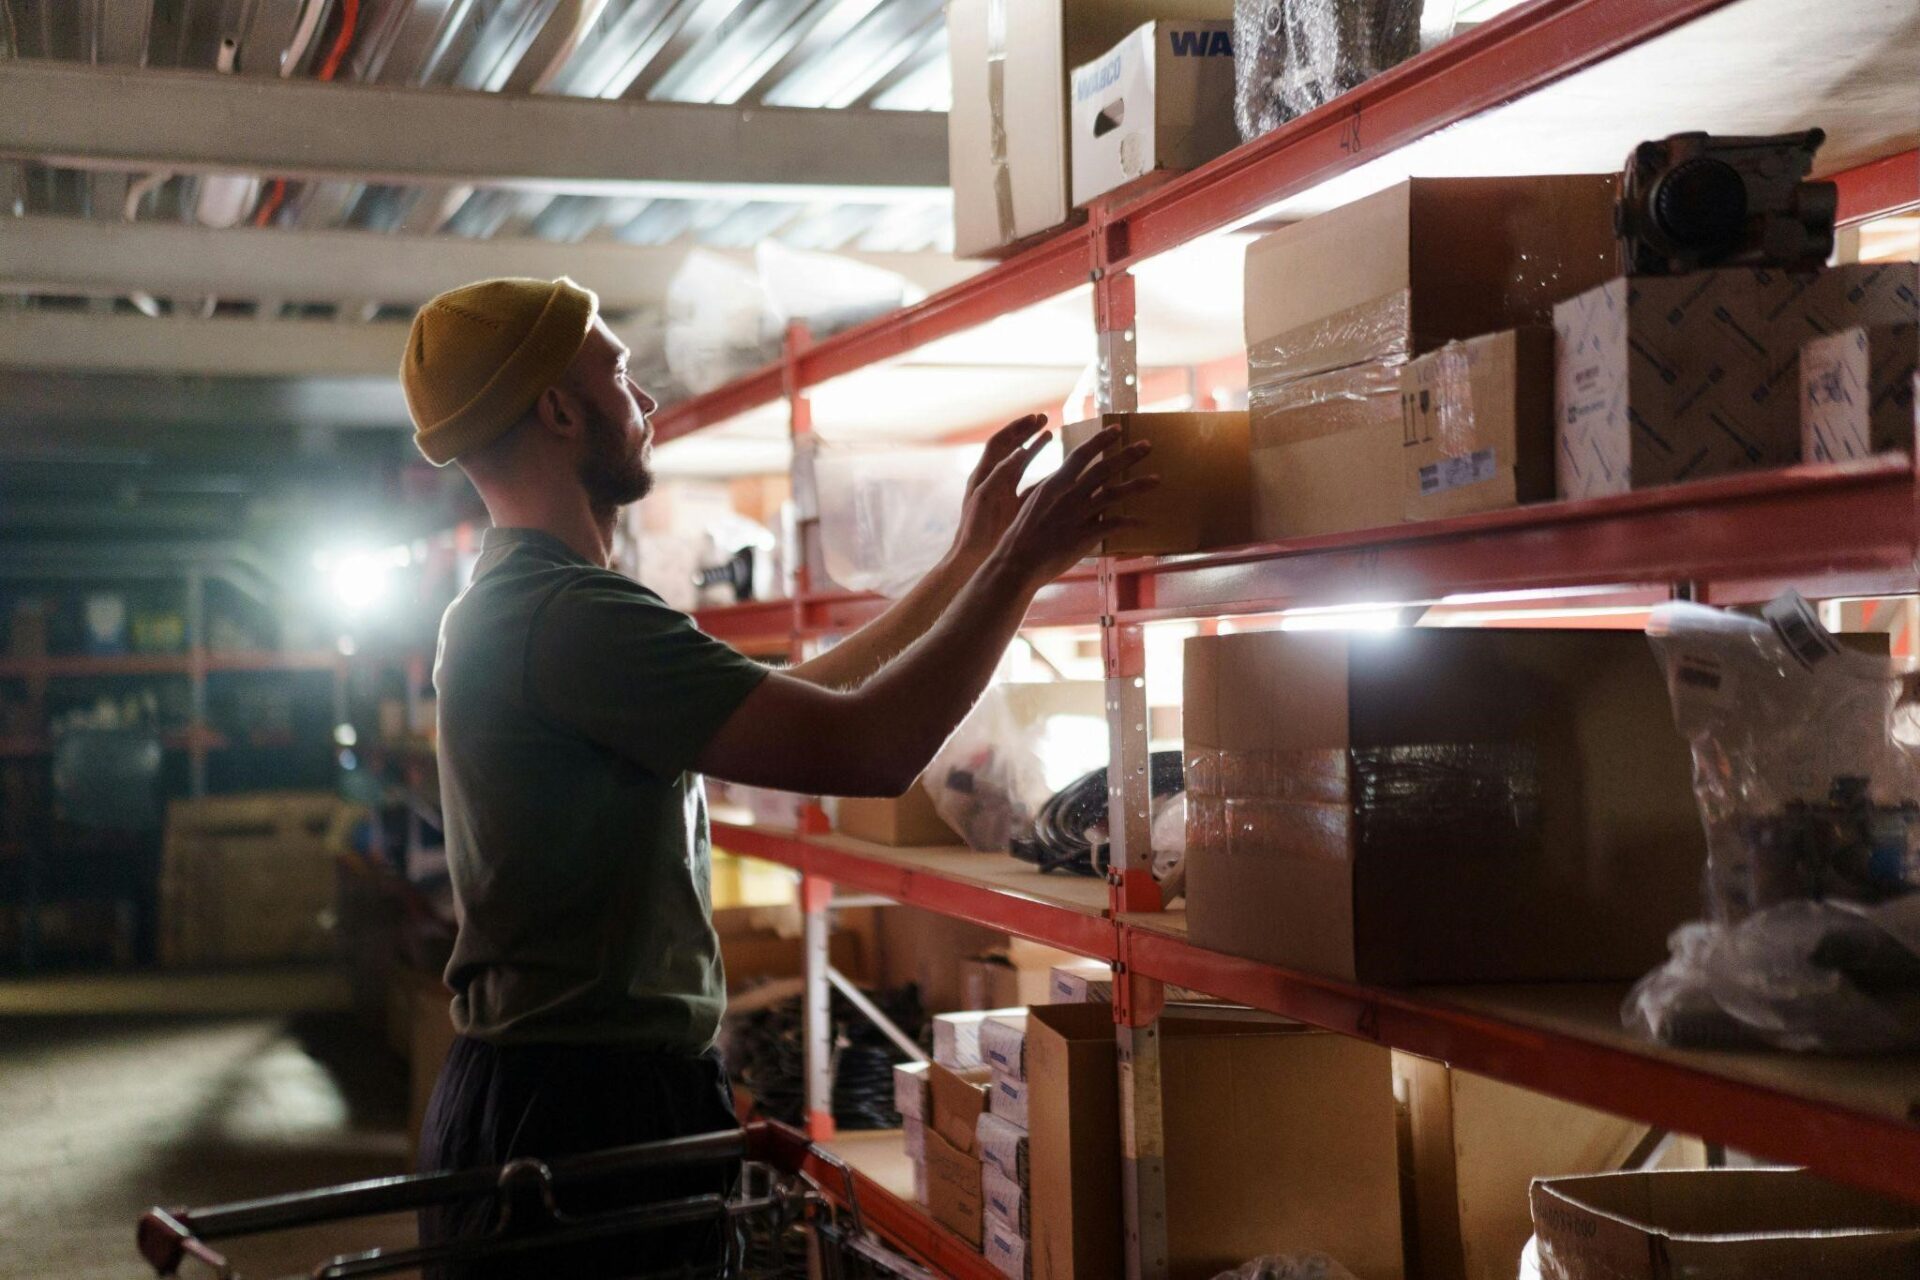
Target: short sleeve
{"x":612,"y":661}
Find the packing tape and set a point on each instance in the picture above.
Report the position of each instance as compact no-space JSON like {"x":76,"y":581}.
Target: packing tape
{"x":997,"y":117}
{"x":1453,"y":409}
{"x":1378,"y":329}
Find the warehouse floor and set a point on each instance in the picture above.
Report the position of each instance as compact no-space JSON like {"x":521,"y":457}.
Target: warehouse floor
{"x":105,"y":1113}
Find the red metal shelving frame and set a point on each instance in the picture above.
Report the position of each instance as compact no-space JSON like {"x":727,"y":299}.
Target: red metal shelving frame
{"x":1849,"y":529}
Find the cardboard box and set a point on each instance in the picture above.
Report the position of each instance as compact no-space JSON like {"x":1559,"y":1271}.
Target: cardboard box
{"x":1473,"y":1147}
{"x":1004,"y":1200}
{"x":1421,"y":264}
{"x":1668,"y":378}
{"x":1204,"y":500}
{"x":913,"y":1090}
{"x":1327,"y":453}
{"x":1073,"y":1143}
{"x":1278,"y":1139}
{"x":1568,"y":848}
{"x":1477,"y":418}
{"x":1162,"y":98}
{"x":953,"y":1188}
{"x":1003,"y":1145}
{"x":1856,"y":393}
{"x":958,"y":1101}
{"x":921,"y":1194}
{"x":1007,"y":129}
{"x":1003,"y":1046}
{"x":1007,"y":1098}
{"x":901,"y":822}
{"x":956,"y":1036}
{"x":1015,"y":975}
{"x":1006,"y":1249}
{"x":1720,"y":1224}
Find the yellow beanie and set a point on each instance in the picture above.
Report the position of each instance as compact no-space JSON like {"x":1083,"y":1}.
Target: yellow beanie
{"x":479,"y":356}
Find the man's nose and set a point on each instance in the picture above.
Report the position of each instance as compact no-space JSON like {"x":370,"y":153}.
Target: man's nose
{"x":647,"y":403}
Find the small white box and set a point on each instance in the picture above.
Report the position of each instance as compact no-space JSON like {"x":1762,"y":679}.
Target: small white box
{"x":1007,"y":1097}
{"x":956,"y":1036}
{"x":1002,"y":1144}
{"x":911,"y":1090}
{"x":1160,"y":99}
{"x":920,"y":1181}
{"x":916,"y":1131}
{"x":1004,"y":1200}
{"x":1085,"y":982}
{"x":1003,"y":1046}
{"x":1004,"y":1248}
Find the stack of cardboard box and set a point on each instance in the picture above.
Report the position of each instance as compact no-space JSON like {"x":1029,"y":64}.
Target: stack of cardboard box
{"x":1339,"y":305}
{"x":913,"y":1099}
{"x":1002,"y":1141}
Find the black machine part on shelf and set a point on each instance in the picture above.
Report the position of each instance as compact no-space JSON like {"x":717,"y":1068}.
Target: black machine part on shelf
{"x":736,"y":573}
{"x":1059,"y":841}
{"x":1695,"y":201}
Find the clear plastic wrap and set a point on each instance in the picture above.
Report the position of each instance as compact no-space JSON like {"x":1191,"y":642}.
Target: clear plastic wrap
{"x":1291,"y":56}
{"x":1348,"y":399}
{"x":887,"y":515}
{"x":1002,"y":764}
{"x":720,"y":323}
{"x":1377,"y":330}
{"x":1809,"y":789}
{"x":1289,"y":1266}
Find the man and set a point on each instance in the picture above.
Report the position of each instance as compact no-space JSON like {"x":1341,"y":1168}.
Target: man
{"x":578,"y":711}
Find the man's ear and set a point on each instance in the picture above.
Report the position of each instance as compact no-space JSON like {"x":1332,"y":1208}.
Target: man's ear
{"x":559,"y":412}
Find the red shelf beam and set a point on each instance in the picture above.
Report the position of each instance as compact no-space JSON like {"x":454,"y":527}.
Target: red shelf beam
{"x":1880,"y":189}
{"x":1878,"y":1153}
{"x":1010,"y":912}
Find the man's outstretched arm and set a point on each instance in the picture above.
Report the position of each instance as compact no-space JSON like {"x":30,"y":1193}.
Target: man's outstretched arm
{"x":992,"y":502}
{"x":875,"y":740}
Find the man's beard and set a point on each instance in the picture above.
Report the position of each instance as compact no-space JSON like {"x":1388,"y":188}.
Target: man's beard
{"x":614,"y":472}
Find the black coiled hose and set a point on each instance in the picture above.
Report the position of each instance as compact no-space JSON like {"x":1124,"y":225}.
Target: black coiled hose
{"x":1059,"y":841}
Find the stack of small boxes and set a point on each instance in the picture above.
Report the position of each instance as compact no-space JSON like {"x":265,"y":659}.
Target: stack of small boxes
{"x":1002,"y":1143}
{"x":911,"y":1099}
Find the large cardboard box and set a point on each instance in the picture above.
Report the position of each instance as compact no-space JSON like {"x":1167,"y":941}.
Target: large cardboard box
{"x":1720,"y":1224}
{"x":1278,"y":1139}
{"x":1437,"y":805}
{"x":1856,"y":393}
{"x":901,"y":822}
{"x":1162,"y":98}
{"x":1668,"y":378}
{"x":1204,"y":499}
{"x":953,"y":1188}
{"x":1478,"y":423}
{"x":1007,"y":129}
{"x":1472,"y":1149}
{"x":1421,"y":264}
{"x":1326,"y":452}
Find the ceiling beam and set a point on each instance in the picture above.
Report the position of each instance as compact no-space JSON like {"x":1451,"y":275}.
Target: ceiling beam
{"x":89,"y":342}
{"x":77,"y":116}
{"x":105,"y":257}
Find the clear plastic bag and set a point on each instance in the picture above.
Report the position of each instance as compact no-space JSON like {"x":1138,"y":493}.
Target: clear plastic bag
{"x":1291,"y":56}
{"x":1289,"y":1266}
{"x":1805,"y":768}
{"x":1004,"y":762}
{"x":720,"y":323}
{"x":887,"y":515}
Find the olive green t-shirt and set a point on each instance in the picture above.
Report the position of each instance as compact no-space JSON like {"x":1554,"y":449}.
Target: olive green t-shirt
{"x":573,"y":703}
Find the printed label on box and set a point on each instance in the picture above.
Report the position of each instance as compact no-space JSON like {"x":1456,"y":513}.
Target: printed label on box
{"x":1456,"y":473}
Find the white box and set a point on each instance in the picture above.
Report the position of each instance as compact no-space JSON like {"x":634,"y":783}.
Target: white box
{"x":1007,"y":129}
{"x":1003,"y":1046}
{"x":1856,"y":392}
{"x":1004,"y":1248}
{"x":1002,"y":1144}
{"x":1004,"y":1200}
{"x":1007,"y":1097}
{"x":1160,"y":99}
{"x":956,"y":1036}
{"x":1659,"y":379}
{"x":1084,"y":982}
{"x":916,"y":1130}
{"x":920,"y":1181}
{"x":910,"y":1090}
